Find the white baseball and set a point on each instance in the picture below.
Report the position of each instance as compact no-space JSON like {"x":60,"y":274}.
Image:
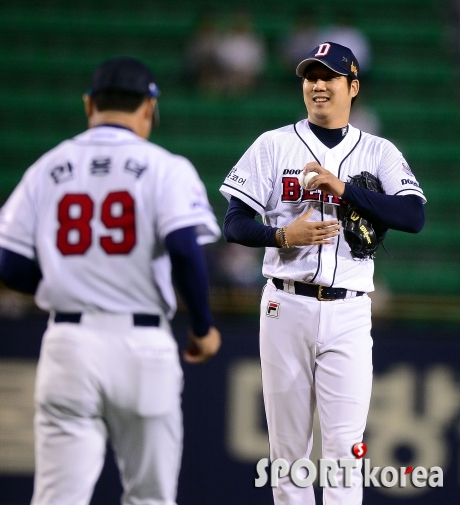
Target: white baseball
{"x":304,"y":179}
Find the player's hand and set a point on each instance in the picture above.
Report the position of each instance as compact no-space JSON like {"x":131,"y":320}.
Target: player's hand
{"x":325,"y":181}
{"x":200,"y":349}
{"x":304,"y":232}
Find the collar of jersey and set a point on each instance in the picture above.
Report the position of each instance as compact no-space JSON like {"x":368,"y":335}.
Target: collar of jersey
{"x":107,"y":133}
{"x":318,"y":147}
{"x":330,"y":137}
{"x":352,"y":133}
{"x":113,"y":125}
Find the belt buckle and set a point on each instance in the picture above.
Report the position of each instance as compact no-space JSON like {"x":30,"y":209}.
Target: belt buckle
{"x":320,"y":296}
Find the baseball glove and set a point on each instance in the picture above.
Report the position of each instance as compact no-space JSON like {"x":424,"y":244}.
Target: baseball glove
{"x":362,"y":236}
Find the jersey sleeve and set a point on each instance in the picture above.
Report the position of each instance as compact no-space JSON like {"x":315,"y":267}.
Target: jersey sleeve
{"x":395,"y":174}
{"x":18,"y":219}
{"x":183,"y":202}
{"x":251,"y":179}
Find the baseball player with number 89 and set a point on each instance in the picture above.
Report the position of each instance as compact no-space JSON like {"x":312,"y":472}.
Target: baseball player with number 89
{"x":94,"y":229}
{"x":327,"y":194}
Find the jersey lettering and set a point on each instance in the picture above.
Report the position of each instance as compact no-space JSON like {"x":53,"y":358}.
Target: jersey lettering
{"x":323,"y":49}
{"x":332,"y":199}
{"x":62,"y":173}
{"x":313,"y":195}
{"x":134,"y":167}
{"x":125,"y":221}
{"x":71,"y":203}
{"x":74,"y":235}
{"x":292,"y":192}
{"x":291,"y":189}
{"x":291,"y":171}
{"x":408,"y":181}
{"x":100,"y":166}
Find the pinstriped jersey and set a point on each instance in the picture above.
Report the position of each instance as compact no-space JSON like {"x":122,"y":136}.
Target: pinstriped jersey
{"x":265,"y":178}
{"x":94,"y":212}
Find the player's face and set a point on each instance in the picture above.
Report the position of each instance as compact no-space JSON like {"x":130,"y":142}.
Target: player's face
{"x":327,"y":96}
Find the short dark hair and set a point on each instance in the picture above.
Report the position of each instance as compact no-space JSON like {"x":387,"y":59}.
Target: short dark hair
{"x":122,"y":101}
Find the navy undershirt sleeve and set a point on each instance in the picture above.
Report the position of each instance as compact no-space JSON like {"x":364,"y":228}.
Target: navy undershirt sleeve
{"x":18,"y":272}
{"x":241,"y":228}
{"x":397,"y":212}
{"x":190,"y":277}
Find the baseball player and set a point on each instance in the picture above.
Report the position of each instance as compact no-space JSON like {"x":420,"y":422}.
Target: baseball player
{"x":94,"y":229}
{"x":315,"y":322}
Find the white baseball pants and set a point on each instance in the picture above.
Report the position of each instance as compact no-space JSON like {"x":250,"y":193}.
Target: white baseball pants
{"x":315,"y":354}
{"x":105,"y":377}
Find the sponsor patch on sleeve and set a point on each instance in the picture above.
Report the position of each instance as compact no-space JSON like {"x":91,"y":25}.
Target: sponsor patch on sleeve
{"x":238,"y":176}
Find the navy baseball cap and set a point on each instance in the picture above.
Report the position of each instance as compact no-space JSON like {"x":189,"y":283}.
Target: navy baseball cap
{"x":124,"y":74}
{"x":338,"y":58}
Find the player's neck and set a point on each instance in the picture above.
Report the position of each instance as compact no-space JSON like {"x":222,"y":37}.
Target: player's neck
{"x":137,"y":121}
{"x":316,"y":127}
{"x":330,"y":137}
{"x":330,"y":125}
{"x":113,"y":118}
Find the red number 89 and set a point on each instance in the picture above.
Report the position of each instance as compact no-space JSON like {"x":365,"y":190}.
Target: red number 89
{"x":82,"y":224}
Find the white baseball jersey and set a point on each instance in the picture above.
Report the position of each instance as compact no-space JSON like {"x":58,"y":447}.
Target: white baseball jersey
{"x":265,"y":178}
{"x":94,"y":212}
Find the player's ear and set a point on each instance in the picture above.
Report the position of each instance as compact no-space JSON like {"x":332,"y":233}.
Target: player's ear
{"x":89,"y":106}
{"x":149,"y":107}
{"x":354,"y":88}
{"x":153,"y":112}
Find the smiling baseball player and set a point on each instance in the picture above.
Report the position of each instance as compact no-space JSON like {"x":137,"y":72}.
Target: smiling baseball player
{"x":315,"y":322}
{"x":94,"y":229}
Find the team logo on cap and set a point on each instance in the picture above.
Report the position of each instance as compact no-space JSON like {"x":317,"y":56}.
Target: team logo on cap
{"x":354,"y":69}
{"x":323,"y":49}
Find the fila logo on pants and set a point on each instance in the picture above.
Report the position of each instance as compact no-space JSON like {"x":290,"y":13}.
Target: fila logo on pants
{"x":273,"y":309}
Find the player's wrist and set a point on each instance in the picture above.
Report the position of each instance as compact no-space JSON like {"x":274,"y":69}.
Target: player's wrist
{"x":342,"y":189}
{"x":283,"y":241}
{"x":277,"y":238}
{"x":200,"y":327}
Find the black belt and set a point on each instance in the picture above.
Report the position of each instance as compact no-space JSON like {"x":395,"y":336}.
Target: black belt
{"x":323,"y":293}
{"x":138,"y":319}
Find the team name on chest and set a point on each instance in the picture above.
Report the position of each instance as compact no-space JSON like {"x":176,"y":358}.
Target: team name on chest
{"x":292,"y":192}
